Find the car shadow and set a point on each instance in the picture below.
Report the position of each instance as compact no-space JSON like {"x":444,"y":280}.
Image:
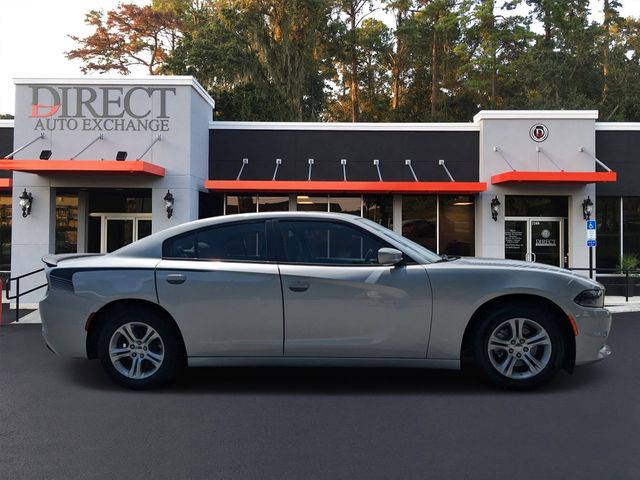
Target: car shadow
{"x":330,"y":381}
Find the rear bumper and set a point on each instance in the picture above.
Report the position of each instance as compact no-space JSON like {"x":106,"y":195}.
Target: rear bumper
{"x":593,"y":325}
{"x":63,"y":327}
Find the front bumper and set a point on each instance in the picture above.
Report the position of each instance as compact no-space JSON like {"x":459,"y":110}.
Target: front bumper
{"x":593,"y":325}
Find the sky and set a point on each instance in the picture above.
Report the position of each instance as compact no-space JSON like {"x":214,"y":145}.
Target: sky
{"x":34,"y":38}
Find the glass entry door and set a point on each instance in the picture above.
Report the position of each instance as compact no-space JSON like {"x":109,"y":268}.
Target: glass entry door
{"x":120,"y":229}
{"x":535,"y":240}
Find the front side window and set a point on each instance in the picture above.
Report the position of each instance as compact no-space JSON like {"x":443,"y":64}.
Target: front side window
{"x":243,"y":242}
{"x":327,"y":243}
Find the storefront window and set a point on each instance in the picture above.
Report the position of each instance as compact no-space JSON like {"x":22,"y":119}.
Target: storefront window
{"x":419,"y":219}
{"x":535,"y":206}
{"x":306,"y":203}
{"x":273,"y":204}
{"x":631,"y":223}
{"x":608,"y":217}
{"x":5,"y":231}
{"x":241,"y":204}
{"x":378,"y":208}
{"x":350,"y":205}
{"x":457,"y":235}
{"x":66,"y":224}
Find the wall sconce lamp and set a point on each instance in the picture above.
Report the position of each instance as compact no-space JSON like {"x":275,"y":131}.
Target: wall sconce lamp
{"x":168,"y":203}
{"x":25,"y":203}
{"x":495,"y":208}
{"x":587,"y":208}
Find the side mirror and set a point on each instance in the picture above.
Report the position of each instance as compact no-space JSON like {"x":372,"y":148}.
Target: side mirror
{"x":389,"y":256}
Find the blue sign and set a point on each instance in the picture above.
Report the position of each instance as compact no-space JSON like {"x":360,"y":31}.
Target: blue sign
{"x":591,"y":243}
{"x":591,"y":224}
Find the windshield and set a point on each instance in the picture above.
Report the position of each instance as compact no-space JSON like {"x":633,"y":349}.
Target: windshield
{"x":414,"y":248}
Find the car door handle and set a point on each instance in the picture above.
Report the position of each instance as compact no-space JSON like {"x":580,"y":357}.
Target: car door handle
{"x":176,"y":278}
{"x":298,"y":286}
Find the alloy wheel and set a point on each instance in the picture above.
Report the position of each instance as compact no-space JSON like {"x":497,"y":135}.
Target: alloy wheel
{"x":136,"y":350}
{"x":519,"y":348}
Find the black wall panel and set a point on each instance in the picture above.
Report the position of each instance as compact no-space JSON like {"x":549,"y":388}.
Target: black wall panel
{"x":6,"y":147}
{"x":227,"y":148}
{"x":620,"y":151}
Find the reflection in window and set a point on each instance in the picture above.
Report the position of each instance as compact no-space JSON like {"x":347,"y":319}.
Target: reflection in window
{"x":5,"y":231}
{"x":631,"y":223}
{"x":350,"y":205}
{"x":241,"y":204}
{"x":273,"y":204}
{"x":608,"y":217}
{"x":66,"y":224}
{"x":378,"y":208}
{"x":244,"y":242}
{"x":306,"y":203}
{"x":457,"y":235}
{"x":327,"y":243}
{"x":419,"y":219}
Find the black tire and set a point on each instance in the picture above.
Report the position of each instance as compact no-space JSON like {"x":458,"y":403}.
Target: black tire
{"x":148,"y":372}
{"x":520,"y":369}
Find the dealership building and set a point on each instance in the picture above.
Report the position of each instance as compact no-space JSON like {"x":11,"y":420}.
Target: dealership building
{"x":89,"y":165}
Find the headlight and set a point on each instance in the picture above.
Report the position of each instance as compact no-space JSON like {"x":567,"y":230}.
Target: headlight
{"x":591,"y":298}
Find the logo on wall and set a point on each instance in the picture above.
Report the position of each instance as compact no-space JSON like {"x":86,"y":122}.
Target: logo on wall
{"x":539,"y":132}
{"x":546,"y":233}
{"x":88,"y":108}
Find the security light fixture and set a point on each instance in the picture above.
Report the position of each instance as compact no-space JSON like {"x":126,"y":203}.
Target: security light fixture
{"x":587,"y":208}
{"x":121,"y":156}
{"x":495,"y":208}
{"x":168,"y":203}
{"x":25,"y":203}
{"x":45,"y":154}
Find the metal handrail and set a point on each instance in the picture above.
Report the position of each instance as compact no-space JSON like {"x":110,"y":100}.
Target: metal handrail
{"x":622,"y":271}
{"x":18,"y":292}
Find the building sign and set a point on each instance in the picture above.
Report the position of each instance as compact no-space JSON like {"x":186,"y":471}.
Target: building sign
{"x":100,"y":109}
{"x":539,"y":132}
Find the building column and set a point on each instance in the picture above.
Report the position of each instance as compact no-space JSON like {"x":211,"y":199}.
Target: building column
{"x":397,"y":214}
{"x":185,"y":207}
{"x":32,"y":237}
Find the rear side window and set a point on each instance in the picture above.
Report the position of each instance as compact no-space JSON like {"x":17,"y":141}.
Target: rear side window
{"x":243,"y":242}
{"x":329,"y":243}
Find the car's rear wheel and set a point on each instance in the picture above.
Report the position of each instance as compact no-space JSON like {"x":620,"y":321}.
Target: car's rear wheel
{"x":139,"y":350}
{"x":519,"y":346}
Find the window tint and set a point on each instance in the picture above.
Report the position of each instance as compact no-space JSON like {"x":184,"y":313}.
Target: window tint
{"x":328,"y":243}
{"x":244,"y":242}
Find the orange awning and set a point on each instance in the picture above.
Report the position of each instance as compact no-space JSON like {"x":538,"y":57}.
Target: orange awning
{"x":553,"y":177}
{"x":316,"y":186}
{"x":5,"y":183}
{"x":89,"y":167}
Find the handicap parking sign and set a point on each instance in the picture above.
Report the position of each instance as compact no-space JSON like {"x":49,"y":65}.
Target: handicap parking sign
{"x":591,"y":224}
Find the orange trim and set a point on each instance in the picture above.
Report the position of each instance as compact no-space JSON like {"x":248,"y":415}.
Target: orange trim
{"x":6,"y":183}
{"x":315,"y":186}
{"x":573,"y":325}
{"x":44,"y":167}
{"x":554,"y":177}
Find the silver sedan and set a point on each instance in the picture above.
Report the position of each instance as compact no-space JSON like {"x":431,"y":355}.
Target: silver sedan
{"x":311,"y":289}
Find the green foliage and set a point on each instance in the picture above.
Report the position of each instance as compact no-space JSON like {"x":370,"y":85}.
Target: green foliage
{"x":629,"y":262}
{"x":336,"y":60}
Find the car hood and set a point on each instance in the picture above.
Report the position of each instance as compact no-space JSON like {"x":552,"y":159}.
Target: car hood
{"x":517,"y":264}
{"x":525,"y":267}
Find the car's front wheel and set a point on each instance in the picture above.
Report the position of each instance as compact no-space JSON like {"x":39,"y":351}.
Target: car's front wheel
{"x":519,"y":346}
{"x":139,"y":350}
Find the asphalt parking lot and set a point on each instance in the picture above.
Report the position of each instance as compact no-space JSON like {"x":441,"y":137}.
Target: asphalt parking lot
{"x":63,"y":419}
